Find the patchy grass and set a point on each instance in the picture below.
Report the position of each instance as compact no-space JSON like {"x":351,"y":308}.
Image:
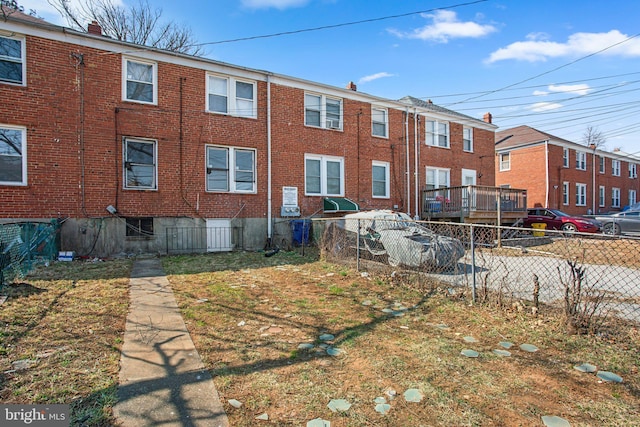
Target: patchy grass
{"x":67,"y":320}
{"x":248,"y":314}
{"x":253,"y":315}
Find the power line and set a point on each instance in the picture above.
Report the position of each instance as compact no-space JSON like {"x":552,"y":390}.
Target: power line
{"x":549,"y":71}
{"x":344,"y":24}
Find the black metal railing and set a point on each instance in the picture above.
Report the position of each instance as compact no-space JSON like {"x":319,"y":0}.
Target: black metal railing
{"x":183,"y":240}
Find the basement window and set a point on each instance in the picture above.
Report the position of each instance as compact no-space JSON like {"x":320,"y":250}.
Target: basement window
{"x":139,"y":227}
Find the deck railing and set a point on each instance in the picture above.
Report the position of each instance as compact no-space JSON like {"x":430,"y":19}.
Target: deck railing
{"x":469,"y":200}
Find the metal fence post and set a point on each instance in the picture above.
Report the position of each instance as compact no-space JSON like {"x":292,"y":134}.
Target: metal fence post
{"x":358,"y":246}
{"x":473,"y":264}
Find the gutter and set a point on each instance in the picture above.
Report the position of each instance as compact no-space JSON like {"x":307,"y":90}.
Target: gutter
{"x":269,"y":202}
{"x":546,"y":173}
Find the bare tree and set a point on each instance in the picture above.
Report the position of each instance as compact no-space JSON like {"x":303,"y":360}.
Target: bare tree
{"x":8,"y":7}
{"x":138,"y":24}
{"x":593,"y":137}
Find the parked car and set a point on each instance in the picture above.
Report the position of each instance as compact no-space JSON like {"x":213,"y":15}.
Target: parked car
{"x":558,"y":220}
{"x":399,"y":238}
{"x":620,"y":222}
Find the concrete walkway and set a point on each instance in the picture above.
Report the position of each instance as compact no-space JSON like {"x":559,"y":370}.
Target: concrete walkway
{"x":163,"y":381}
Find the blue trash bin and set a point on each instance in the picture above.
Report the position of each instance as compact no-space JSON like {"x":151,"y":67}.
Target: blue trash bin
{"x":300,"y":229}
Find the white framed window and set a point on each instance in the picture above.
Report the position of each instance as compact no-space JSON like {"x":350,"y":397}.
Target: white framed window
{"x":632,"y":197}
{"x":438,"y":178}
{"x":601,"y":196}
{"x":231,"y":169}
{"x":505,"y":161}
{"x":565,"y":193}
{"x":12,"y":60}
{"x":581,"y":194}
{"x":322,"y":111}
{"x":615,"y":197}
{"x":581,"y":160}
{"x":324,"y":175}
{"x":380,"y":122}
{"x":226,"y":95}
{"x":140,"y":164}
{"x":380,"y":179}
{"x":13,"y":155}
{"x":633,"y":170}
{"x":615,"y":167}
{"x":437,"y":133}
{"x":139,"y":81}
{"x":565,"y":157}
{"x":601,"y":164}
{"x":467,"y":139}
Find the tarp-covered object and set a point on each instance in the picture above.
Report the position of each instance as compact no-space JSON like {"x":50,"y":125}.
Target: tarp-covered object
{"x":405,"y":241}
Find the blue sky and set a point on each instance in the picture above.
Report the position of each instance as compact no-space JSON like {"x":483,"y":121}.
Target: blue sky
{"x":558,"y":66}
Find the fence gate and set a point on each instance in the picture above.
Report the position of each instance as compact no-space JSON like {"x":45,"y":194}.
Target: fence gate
{"x":219,"y":235}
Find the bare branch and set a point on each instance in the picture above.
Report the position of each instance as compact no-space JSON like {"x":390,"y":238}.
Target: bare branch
{"x":140,"y":24}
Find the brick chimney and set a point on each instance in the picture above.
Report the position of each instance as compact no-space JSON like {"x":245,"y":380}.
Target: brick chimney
{"x":488,"y":118}
{"x":352,"y":86}
{"x":94,"y":28}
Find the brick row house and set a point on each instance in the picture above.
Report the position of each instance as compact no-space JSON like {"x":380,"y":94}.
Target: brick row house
{"x":125,"y":145}
{"x":565,"y":175}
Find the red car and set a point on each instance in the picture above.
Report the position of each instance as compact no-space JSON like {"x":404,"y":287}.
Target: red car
{"x":558,"y":220}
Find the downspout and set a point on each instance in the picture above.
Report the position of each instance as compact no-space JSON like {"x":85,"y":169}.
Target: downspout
{"x":416,"y":119}
{"x":269,"y":225}
{"x":546,"y":173}
{"x":408,"y":171}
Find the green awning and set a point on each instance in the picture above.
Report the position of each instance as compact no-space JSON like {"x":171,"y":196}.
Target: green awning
{"x":340,"y":204}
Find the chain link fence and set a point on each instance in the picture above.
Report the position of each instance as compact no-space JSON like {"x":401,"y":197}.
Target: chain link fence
{"x":24,"y":245}
{"x":590,"y":277}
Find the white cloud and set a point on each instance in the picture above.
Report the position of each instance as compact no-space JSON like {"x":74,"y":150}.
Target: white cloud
{"x":581,"y":89}
{"x":540,"y":107}
{"x":538,"y":48}
{"x":445,"y":27}
{"x":372,"y":77}
{"x":276,"y":4}
{"x":540,"y":93}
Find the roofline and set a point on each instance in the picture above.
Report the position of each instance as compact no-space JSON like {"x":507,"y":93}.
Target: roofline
{"x":43,"y":29}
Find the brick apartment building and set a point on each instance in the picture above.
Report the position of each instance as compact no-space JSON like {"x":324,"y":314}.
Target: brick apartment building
{"x":126,"y":144}
{"x":564,"y":175}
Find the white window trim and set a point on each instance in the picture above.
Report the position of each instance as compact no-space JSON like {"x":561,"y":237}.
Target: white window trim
{"x":615,"y":167}
{"x":500,"y":162}
{"x":431,"y":136}
{"x":23,"y":130}
{"x":602,"y":168}
{"x":581,"y":160}
{"x":125,"y":60}
{"x":155,"y":163}
{"x":633,"y":170}
{"x":615,"y":200}
{"x":437,"y":170}
{"x":470,"y":150}
{"x":581,"y":194}
{"x":566,"y":196}
{"x":323,"y":111}
{"x":565,"y":157}
{"x":387,"y":187}
{"x":232,"y":98}
{"x":323,"y":174}
{"x":602,"y":196}
{"x":386,"y":122}
{"x":634,"y":199}
{"x":23,"y":59}
{"x":231,"y":153}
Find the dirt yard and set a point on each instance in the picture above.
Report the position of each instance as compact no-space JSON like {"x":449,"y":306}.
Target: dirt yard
{"x":287,"y":336}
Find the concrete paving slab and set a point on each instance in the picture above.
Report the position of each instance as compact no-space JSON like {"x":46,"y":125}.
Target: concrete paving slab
{"x":162,"y":381}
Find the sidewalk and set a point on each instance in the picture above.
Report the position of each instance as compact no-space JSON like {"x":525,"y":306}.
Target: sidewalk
{"x":162,"y":378}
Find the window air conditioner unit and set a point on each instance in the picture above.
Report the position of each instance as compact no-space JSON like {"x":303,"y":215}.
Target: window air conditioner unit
{"x":333,"y":124}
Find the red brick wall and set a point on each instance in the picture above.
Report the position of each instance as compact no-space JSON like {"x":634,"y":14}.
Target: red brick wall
{"x":76,"y":121}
